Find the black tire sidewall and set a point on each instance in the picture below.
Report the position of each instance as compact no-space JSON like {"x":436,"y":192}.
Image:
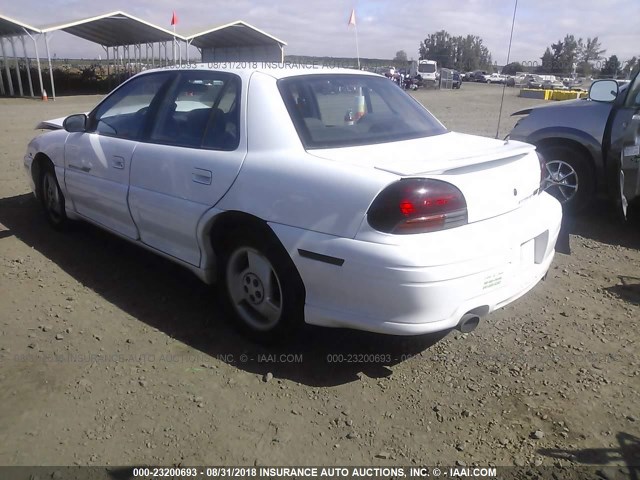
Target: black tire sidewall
{"x":292,"y":317}
{"x":583,"y":169}
{"x":56,"y":223}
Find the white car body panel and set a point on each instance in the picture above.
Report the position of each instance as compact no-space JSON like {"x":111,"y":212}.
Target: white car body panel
{"x":302,"y":181}
{"x":171,"y":190}
{"x":97,"y":178}
{"x":425,"y":283}
{"x":166,"y":198}
{"x":495,"y":180}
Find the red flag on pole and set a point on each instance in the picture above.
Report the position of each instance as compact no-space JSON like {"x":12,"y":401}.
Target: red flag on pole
{"x":352,"y":18}
{"x":174,"y":19}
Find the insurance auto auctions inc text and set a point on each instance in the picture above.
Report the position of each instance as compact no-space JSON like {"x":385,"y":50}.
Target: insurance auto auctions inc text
{"x":367,"y":472}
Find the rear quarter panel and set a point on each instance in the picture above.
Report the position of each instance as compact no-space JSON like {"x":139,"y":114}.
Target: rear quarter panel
{"x":280,"y":182}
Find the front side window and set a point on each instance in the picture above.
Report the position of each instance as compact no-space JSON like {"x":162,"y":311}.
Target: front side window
{"x":346,"y":110}
{"x":201,"y":110}
{"x":123,"y":113}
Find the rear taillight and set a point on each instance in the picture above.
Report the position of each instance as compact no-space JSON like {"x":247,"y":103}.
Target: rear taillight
{"x":418,"y":205}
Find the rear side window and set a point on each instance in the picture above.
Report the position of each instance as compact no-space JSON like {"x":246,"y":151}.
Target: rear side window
{"x":201,"y":110}
{"x":346,"y":110}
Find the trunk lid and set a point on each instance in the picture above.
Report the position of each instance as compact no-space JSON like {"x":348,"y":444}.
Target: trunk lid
{"x":495,"y":177}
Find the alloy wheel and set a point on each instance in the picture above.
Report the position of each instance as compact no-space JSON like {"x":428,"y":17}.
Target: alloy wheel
{"x":561,"y":180}
{"x":254,"y":288}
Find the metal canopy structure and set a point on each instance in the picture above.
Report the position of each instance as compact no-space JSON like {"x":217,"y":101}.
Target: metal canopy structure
{"x":10,"y":27}
{"x":122,"y":36}
{"x":115,"y":29}
{"x":120,"y":32}
{"x":12,"y":30}
{"x":235,"y":35}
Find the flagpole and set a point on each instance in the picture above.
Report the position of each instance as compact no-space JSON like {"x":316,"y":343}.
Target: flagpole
{"x":174,"y":43}
{"x":352,"y":21}
{"x":357,"y":47}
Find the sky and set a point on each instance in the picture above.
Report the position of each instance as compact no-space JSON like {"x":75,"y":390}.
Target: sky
{"x":319,"y":27}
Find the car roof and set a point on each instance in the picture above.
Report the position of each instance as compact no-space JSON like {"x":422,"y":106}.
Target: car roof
{"x":273,"y":69}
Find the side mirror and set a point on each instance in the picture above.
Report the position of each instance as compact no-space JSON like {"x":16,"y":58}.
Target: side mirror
{"x":75,"y":123}
{"x":603,"y":91}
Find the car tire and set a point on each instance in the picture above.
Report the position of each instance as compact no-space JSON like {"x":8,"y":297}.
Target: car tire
{"x":262,"y":290}
{"x":569,"y":176}
{"x":52,"y":198}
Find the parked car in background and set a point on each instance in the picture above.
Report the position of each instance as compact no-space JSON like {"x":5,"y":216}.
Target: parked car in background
{"x":479,"y":76}
{"x":360,"y":211}
{"x":532,"y":81}
{"x":496,"y":78}
{"x":457,"y":79}
{"x":550,"y":82}
{"x":591,"y":147}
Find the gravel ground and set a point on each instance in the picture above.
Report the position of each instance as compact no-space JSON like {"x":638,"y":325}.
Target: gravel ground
{"x":112,"y":356}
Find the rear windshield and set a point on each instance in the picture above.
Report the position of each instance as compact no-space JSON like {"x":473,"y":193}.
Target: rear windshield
{"x":347,"y":110}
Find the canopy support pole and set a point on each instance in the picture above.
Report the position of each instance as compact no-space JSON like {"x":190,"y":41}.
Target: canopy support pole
{"x":106,"y":49}
{"x":28,"y":63}
{"x":6,"y":68}
{"x":35,"y":46}
{"x":2,"y":90}
{"x":126,"y":60}
{"x":17,"y":65}
{"x":53,"y":86}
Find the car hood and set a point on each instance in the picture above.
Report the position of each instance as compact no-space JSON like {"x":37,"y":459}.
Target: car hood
{"x":54,"y":124}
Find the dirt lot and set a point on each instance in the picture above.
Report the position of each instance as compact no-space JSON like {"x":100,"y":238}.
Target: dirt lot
{"x":112,"y":356}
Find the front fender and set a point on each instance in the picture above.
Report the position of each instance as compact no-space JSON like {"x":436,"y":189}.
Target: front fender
{"x":50,"y":144}
{"x":590,"y":145}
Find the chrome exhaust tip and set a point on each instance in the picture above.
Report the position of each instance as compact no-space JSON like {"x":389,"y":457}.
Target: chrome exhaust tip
{"x":468,"y":323}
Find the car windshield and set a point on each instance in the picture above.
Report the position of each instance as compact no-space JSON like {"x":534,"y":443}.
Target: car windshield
{"x":427,"y":68}
{"x":347,"y":110}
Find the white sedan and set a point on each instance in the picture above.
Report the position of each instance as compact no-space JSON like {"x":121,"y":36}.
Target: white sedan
{"x":312,"y":195}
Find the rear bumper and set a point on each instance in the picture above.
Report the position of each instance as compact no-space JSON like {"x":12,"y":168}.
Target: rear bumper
{"x":425,"y":283}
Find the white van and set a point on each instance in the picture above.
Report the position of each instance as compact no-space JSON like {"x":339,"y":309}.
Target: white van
{"x":428,"y":69}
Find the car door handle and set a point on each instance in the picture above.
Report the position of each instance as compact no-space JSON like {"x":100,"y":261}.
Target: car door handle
{"x":199,"y":175}
{"x":76,"y":167}
{"x":117,"y":162}
{"x":636,"y":117}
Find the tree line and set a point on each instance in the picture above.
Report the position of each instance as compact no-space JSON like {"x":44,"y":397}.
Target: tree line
{"x":564,"y":57}
{"x":460,"y":53}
